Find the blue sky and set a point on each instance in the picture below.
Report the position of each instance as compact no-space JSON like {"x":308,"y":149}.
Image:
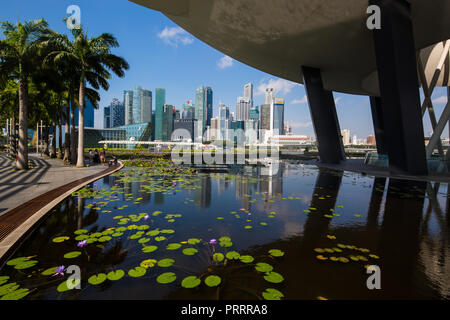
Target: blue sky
{"x":161,"y":55}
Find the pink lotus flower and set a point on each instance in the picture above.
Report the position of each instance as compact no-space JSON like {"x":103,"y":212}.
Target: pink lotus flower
{"x":213,"y":241}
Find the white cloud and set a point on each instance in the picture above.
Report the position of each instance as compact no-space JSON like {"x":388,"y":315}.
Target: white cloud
{"x":278,"y":85}
{"x":300,"y":101}
{"x":442,"y":99}
{"x":225,"y":62}
{"x":175,"y":36}
{"x":336,"y":101}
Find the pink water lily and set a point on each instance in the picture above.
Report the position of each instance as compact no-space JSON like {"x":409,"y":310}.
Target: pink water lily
{"x":81,"y":244}
{"x":213,"y":241}
{"x":60,"y":271}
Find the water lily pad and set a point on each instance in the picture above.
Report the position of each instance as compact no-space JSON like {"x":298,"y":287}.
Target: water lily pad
{"x":81,"y":237}
{"x":276,"y":253}
{"x":193,"y":241}
{"x":263,"y":267}
{"x":144,"y":240}
{"x":115,"y":275}
{"x":218,"y":257}
{"x":16,"y":295}
{"x":190,"y":282}
{"x":117,"y":234}
{"x":63,"y":286}
{"x":136,"y":236}
{"x":148,"y":249}
{"x":49,"y":271}
{"x":166,"y":278}
{"x":213,"y":281}
{"x":137,"y":272}
{"x":224,"y":239}
{"x":60,"y":239}
{"x":165,"y":262}
{"x":173,"y":246}
{"x":153,"y":233}
{"x":97,"y":279}
{"x":25,"y":264}
{"x":160,"y":238}
{"x":104,"y":239}
{"x":72,"y":255}
{"x":167,"y":231}
{"x":246,"y":259}
{"x":232,"y":255}
{"x":190,"y":251}
{"x":16,"y":261}
{"x":9,"y":287}
{"x":272,"y":294}
{"x":149,"y":263}
{"x":273,"y":277}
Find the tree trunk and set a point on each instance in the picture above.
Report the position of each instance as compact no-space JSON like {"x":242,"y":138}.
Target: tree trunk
{"x":12,"y":141}
{"x":60,"y":150}
{"x":80,"y":160}
{"x":67,"y":134}
{"x":46,"y":139}
{"x":53,"y":152}
{"x":22,"y":155}
{"x":73,"y":143}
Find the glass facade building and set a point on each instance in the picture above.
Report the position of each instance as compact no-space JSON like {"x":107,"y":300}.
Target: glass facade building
{"x":160,"y":101}
{"x":278,"y":116}
{"x":200,"y":112}
{"x":142,"y":105}
{"x":209,"y":105}
{"x":107,"y":117}
{"x":88,"y":115}
{"x":117,"y":109}
{"x":128,"y":103}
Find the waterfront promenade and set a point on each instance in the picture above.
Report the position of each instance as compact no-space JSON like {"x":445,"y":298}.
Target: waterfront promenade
{"x":18,"y":187}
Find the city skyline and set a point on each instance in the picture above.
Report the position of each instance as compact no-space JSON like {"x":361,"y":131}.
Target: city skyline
{"x":171,"y":58}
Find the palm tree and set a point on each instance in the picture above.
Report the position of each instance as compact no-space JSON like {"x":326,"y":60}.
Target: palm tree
{"x":19,"y":54}
{"x":93,"y":61}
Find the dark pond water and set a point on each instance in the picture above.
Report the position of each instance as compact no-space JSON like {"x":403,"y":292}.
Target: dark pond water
{"x":326,"y":227}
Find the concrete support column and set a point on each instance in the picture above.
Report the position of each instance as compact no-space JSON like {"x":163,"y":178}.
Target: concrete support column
{"x":324,"y":117}
{"x":378,"y":124}
{"x":399,"y":87}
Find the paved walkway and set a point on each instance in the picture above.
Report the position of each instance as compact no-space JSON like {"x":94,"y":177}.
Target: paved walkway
{"x":17,"y":187}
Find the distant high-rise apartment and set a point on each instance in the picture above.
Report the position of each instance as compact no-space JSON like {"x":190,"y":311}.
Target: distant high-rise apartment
{"x":160,"y":101}
{"x":128,"y":102}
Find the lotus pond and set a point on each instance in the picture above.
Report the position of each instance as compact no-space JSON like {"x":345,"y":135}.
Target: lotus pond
{"x":157,"y":231}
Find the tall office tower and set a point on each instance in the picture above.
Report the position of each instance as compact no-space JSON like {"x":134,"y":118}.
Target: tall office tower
{"x":200,"y":112}
{"x":251,"y":128}
{"x":254,"y":113}
{"x":167,"y":122}
{"x":355,"y":140}
{"x":269,"y":96}
{"x":142,"y":105}
{"x":242,"y":109}
{"x":265,"y":122}
{"x":160,"y":101}
{"x":117,"y":113}
{"x":128,"y":102}
{"x":248,"y":93}
{"x":107,"y":118}
{"x":345,"y":133}
{"x":188,"y":112}
{"x":224,"y":121}
{"x":278,"y":116}
{"x":209,"y":105}
{"x":177,"y":115}
{"x":345,"y":137}
{"x":287,"y":130}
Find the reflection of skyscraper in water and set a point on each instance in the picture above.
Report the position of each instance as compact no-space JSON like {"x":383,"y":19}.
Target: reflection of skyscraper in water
{"x":272,"y":185}
{"x":202,"y":194}
{"x":159,"y":198}
{"x":242,"y":190}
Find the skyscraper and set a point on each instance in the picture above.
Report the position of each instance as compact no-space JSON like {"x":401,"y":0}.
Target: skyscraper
{"x":269,"y":96}
{"x":88,"y":114}
{"x":128,"y":102}
{"x":188,"y":112}
{"x":200,"y":112}
{"x":345,"y":133}
{"x":224,"y":121}
{"x":167,"y":122}
{"x":248,"y":93}
{"x":160,"y":96}
{"x":107,"y":117}
{"x":117,"y":109}
{"x":242,"y":109}
{"x":142,"y":105}
{"x":209,"y":105}
{"x":278,"y":116}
